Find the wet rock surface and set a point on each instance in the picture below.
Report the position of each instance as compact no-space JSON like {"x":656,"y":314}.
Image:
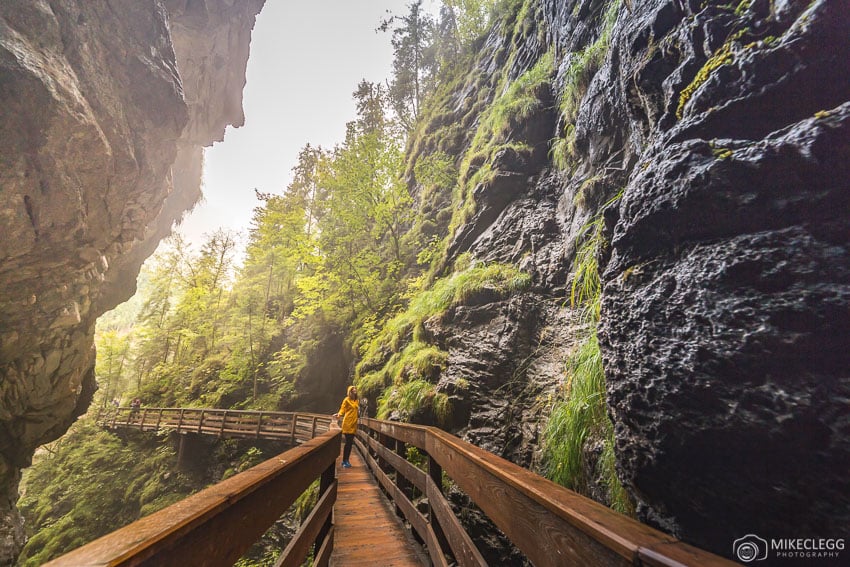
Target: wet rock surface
{"x":104,"y":110}
{"x":725,"y":299}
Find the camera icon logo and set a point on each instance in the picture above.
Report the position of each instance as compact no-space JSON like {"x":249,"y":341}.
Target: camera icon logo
{"x":750,"y":548}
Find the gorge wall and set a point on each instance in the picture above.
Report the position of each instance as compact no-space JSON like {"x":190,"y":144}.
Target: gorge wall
{"x":105,"y":108}
{"x":711,"y":140}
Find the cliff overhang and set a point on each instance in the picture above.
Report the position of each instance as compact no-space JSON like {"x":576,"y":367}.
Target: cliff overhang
{"x":106,"y":108}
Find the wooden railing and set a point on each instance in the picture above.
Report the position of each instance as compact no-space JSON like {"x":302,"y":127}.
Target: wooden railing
{"x":551,"y":525}
{"x":287,"y":426}
{"x":219,"y":524}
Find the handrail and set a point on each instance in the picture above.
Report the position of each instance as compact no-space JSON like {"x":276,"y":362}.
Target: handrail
{"x":217,"y":525}
{"x":552,"y":525}
{"x":294,"y":427}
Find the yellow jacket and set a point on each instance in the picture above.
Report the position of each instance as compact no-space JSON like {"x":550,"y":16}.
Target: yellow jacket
{"x":348,"y":411}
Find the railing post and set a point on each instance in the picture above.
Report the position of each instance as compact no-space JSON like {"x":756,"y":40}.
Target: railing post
{"x":383,"y":440}
{"x":313,"y":429}
{"x":400,"y":480}
{"x":327,"y":480}
{"x":142,"y":421}
{"x":435,"y":471}
{"x":259,"y":424}
{"x":294,"y":422}
{"x":159,"y":419}
{"x":201,"y":422}
{"x":223,"y":421}
{"x":180,"y":421}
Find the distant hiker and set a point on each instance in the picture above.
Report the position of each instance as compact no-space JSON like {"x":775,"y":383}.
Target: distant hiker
{"x":134,"y":407}
{"x":348,"y":411}
{"x":364,"y":408}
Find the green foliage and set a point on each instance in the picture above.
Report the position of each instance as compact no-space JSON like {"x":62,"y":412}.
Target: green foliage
{"x":89,"y":484}
{"x":113,"y":348}
{"x":472,"y":17}
{"x":446,"y":292}
{"x":417,"y":458}
{"x":579,"y":415}
{"x":415,"y":62}
{"x":417,"y":360}
{"x":582,"y":66}
{"x":523,"y":97}
{"x":400,"y":366}
{"x":519,"y":100}
{"x":416,"y":396}
{"x":587,"y":286}
{"x":436,"y":170}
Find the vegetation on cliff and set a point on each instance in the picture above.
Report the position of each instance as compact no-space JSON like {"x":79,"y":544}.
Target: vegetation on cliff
{"x":578,"y":422}
{"x":355,"y":263}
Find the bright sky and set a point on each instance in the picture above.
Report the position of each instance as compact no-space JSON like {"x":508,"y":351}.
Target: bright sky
{"x":307,"y":57}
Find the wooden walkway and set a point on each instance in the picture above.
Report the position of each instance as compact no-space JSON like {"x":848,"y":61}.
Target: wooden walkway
{"x":366,"y":529}
{"x":551,"y":525}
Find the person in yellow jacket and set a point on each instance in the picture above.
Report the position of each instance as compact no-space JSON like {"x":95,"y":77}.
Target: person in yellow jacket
{"x":348,"y":411}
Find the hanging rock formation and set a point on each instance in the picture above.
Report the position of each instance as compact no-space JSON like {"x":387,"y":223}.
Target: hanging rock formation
{"x":104,"y":111}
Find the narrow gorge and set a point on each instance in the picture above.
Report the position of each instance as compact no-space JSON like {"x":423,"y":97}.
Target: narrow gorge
{"x":659,"y":187}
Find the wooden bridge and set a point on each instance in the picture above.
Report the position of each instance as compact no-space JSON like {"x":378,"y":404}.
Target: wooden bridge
{"x":357,"y":518}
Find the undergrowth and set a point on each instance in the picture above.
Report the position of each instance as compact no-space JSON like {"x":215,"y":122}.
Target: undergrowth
{"x":412,"y":397}
{"x":579,"y":414}
{"x":399,"y":365}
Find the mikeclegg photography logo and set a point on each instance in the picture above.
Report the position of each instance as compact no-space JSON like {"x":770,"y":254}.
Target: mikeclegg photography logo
{"x":753,"y":548}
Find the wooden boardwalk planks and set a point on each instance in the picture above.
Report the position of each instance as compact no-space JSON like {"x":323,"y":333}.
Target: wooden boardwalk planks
{"x":367,"y":531}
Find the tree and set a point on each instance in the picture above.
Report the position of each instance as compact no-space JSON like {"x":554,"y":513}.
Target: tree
{"x":413,"y":68}
{"x":471,"y":17}
{"x":113,"y":348}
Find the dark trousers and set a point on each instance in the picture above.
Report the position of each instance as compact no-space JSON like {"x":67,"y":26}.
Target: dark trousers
{"x":346,"y":450}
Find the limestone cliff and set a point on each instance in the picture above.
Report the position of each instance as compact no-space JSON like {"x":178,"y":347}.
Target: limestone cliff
{"x":718,"y":134}
{"x":104,"y":110}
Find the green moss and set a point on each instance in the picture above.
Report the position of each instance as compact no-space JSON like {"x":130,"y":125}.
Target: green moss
{"x":519,"y":100}
{"x":399,"y":355}
{"x":585,"y":191}
{"x":723,"y":56}
{"x":584,"y":64}
{"x":743,"y":7}
{"x":443,"y":294}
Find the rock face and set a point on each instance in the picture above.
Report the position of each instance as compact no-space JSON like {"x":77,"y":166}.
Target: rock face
{"x":727,"y":294}
{"x":104,"y":111}
{"x":726,"y":300}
